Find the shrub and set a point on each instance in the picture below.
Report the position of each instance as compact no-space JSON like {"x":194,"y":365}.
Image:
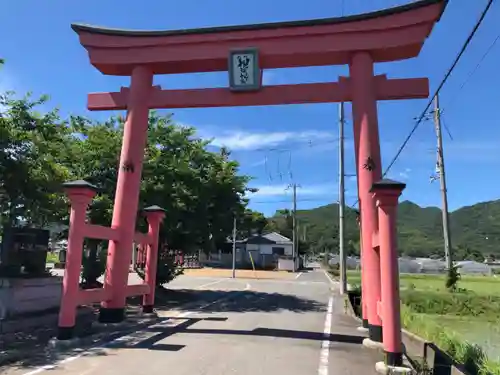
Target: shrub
{"x":462,"y":304}
{"x":167,"y":269}
{"x":452,"y":278}
{"x":334,"y":270}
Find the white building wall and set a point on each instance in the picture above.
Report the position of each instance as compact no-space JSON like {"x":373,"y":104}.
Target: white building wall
{"x":252,"y":247}
{"x":268,"y":249}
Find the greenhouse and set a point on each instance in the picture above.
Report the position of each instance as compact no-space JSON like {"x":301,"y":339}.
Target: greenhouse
{"x":473,"y":267}
{"x":431,"y":266}
{"x":407,"y":265}
{"x":352,"y":263}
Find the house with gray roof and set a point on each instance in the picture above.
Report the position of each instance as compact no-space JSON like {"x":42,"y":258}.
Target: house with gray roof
{"x":266,"y":249}
{"x":263,"y":250}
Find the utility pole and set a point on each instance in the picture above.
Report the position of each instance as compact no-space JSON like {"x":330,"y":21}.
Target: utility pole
{"x":234,"y":246}
{"x":342,"y":260}
{"x":295,"y":238}
{"x":442,"y":182}
{"x":294,"y":226}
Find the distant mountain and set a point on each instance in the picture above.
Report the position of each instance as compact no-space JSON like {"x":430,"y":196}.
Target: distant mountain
{"x":474,"y":229}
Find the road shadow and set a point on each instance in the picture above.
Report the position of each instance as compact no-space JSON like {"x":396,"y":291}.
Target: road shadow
{"x":150,"y":338}
{"x":249,"y":301}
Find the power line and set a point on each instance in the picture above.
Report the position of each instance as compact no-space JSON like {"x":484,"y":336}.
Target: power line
{"x":472,"y":72}
{"x":447,"y":75}
{"x":443,"y":81}
{"x":289,"y":201}
{"x":309,"y":144}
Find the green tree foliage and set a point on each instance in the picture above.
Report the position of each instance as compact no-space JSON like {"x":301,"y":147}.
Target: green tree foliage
{"x":249,"y":223}
{"x":200,"y":190}
{"x":31,"y":146}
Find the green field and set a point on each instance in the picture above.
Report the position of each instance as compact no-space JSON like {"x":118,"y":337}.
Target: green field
{"x":483,"y":285}
{"x":471,"y":315}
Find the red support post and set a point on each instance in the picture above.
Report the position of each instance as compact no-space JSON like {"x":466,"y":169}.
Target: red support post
{"x":80,"y":194}
{"x":386,"y":193}
{"x":127,"y":195}
{"x":154,"y":216}
{"x":369,"y":170}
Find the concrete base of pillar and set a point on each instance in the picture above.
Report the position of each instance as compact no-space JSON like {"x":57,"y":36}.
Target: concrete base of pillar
{"x":384,"y":369}
{"x":362,"y":329}
{"x":111,"y":315}
{"x":369,"y":343}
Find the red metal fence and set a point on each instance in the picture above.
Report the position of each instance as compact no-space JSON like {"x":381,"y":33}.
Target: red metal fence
{"x":177,"y":257}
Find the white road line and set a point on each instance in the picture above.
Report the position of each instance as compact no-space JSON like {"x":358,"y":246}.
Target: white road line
{"x":300,"y":274}
{"x":211,"y":283}
{"x":40,"y":369}
{"x":126,"y":338}
{"x":289,"y":281}
{"x":325,"y":344}
{"x":329,"y":277}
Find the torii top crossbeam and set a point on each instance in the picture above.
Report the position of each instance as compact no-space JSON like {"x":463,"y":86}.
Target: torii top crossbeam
{"x":392,"y":34}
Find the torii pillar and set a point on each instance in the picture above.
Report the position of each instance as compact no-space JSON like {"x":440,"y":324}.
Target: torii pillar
{"x":127,"y":194}
{"x":369,"y":170}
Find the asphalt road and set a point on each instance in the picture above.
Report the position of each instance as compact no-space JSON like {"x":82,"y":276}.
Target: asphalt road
{"x":243,"y":327}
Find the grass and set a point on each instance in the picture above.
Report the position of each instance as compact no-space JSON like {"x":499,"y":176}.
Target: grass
{"x":464,"y":323}
{"x":484,"y":285}
{"x":52,"y":258}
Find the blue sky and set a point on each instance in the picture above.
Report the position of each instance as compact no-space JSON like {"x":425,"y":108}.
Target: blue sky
{"x":281,"y":144}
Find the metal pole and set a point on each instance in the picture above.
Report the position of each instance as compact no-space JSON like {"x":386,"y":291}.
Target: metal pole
{"x":442,"y":181}
{"x":342,"y":261}
{"x":294,"y":226}
{"x":234,"y":247}
{"x":134,"y":255}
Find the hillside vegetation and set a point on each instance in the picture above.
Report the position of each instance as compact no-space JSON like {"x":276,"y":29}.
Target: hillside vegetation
{"x":475,"y":230}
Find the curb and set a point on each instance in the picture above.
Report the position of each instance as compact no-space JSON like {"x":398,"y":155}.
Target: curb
{"x":111,"y":332}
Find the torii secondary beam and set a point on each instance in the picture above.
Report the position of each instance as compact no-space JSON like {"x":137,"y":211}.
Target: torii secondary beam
{"x":386,"y":89}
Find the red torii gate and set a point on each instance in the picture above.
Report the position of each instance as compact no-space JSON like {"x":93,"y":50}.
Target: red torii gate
{"x":359,"y":41}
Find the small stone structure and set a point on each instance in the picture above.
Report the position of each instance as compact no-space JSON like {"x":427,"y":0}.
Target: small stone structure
{"x":21,"y":296}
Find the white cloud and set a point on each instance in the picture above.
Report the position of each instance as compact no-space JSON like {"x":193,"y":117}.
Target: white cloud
{"x":405,"y":175}
{"x":269,"y":191}
{"x":239,"y":140}
{"x":258,"y":163}
{"x":277,"y":190}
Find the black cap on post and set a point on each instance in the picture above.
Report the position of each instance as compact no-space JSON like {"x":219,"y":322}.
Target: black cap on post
{"x":387,"y":184}
{"x":81,"y":184}
{"x":153,"y":208}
